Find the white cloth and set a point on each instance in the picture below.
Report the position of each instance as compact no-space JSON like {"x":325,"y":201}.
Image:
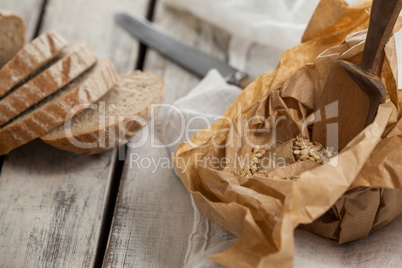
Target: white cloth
{"x":201,"y":107}
{"x":277,"y":25}
{"x":205,"y":103}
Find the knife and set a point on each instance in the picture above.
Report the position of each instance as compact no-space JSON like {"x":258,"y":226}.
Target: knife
{"x":184,"y":55}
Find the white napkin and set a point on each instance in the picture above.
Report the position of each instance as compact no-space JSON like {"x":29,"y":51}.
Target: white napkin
{"x":274,"y":25}
{"x":202,"y":106}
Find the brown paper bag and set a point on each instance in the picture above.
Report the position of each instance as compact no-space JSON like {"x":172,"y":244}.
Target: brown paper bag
{"x":345,"y":199}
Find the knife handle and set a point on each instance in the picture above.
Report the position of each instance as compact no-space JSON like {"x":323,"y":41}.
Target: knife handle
{"x":240,"y":79}
{"x":245,"y":82}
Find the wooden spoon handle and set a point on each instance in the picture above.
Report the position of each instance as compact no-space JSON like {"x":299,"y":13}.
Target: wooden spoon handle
{"x":382,"y":20}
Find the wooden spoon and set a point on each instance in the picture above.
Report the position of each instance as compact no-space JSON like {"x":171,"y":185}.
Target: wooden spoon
{"x":352,"y":93}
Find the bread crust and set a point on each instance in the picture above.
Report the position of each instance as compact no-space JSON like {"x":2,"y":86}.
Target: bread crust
{"x":31,"y":56}
{"x":52,"y":114}
{"x":49,"y":81}
{"x":109,"y":140}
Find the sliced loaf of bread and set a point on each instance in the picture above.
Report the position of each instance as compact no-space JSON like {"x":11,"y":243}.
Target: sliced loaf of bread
{"x":29,"y":60}
{"x":56,"y":109}
{"x":12,"y":35}
{"x":76,"y":60}
{"x":115,"y":118}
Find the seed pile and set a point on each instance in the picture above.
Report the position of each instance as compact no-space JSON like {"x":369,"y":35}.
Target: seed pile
{"x":256,"y":155}
{"x":302,"y":150}
{"x":306,"y":150}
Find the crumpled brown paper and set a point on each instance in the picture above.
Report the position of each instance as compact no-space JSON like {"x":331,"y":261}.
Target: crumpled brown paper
{"x":354,"y":194}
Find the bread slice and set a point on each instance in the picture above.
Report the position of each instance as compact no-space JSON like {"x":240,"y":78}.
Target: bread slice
{"x":12,"y":35}
{"x":59,"y":107}
{"x":29,"y":60}
{"x":113,"y":121}
{"x":77,"y":61}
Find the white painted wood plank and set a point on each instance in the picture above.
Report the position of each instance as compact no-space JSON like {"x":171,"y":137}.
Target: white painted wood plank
{"x":154,"y":216}
{"x":92,"y":21}
{"x":192,"y":31}
{"x":51,"y":206}
{"x":52,"y":203}
{"x":29,"y":10}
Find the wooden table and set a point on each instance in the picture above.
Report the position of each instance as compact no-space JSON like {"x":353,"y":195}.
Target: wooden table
{"x":59,"y":209}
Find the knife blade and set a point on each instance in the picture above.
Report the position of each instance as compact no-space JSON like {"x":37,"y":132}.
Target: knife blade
{"x":184,"y":55}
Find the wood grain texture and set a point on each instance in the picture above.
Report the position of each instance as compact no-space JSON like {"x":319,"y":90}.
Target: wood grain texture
{"x":51,"y":206}
{"x":92,"y":21}
{"x":52,"y":203}
{"x":192,"y":31}
{"x":28,"y":9}
{"x":154,"y":216}
{"x":382,"y":21}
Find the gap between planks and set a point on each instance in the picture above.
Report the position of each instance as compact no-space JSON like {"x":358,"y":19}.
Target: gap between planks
{"x":117,"y":162}
{"x":153,"y":217}
{"x":41,"y":15}
{"x":119,"y":166}
{"x":110,"y":206}
{"x":142,"y":51}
